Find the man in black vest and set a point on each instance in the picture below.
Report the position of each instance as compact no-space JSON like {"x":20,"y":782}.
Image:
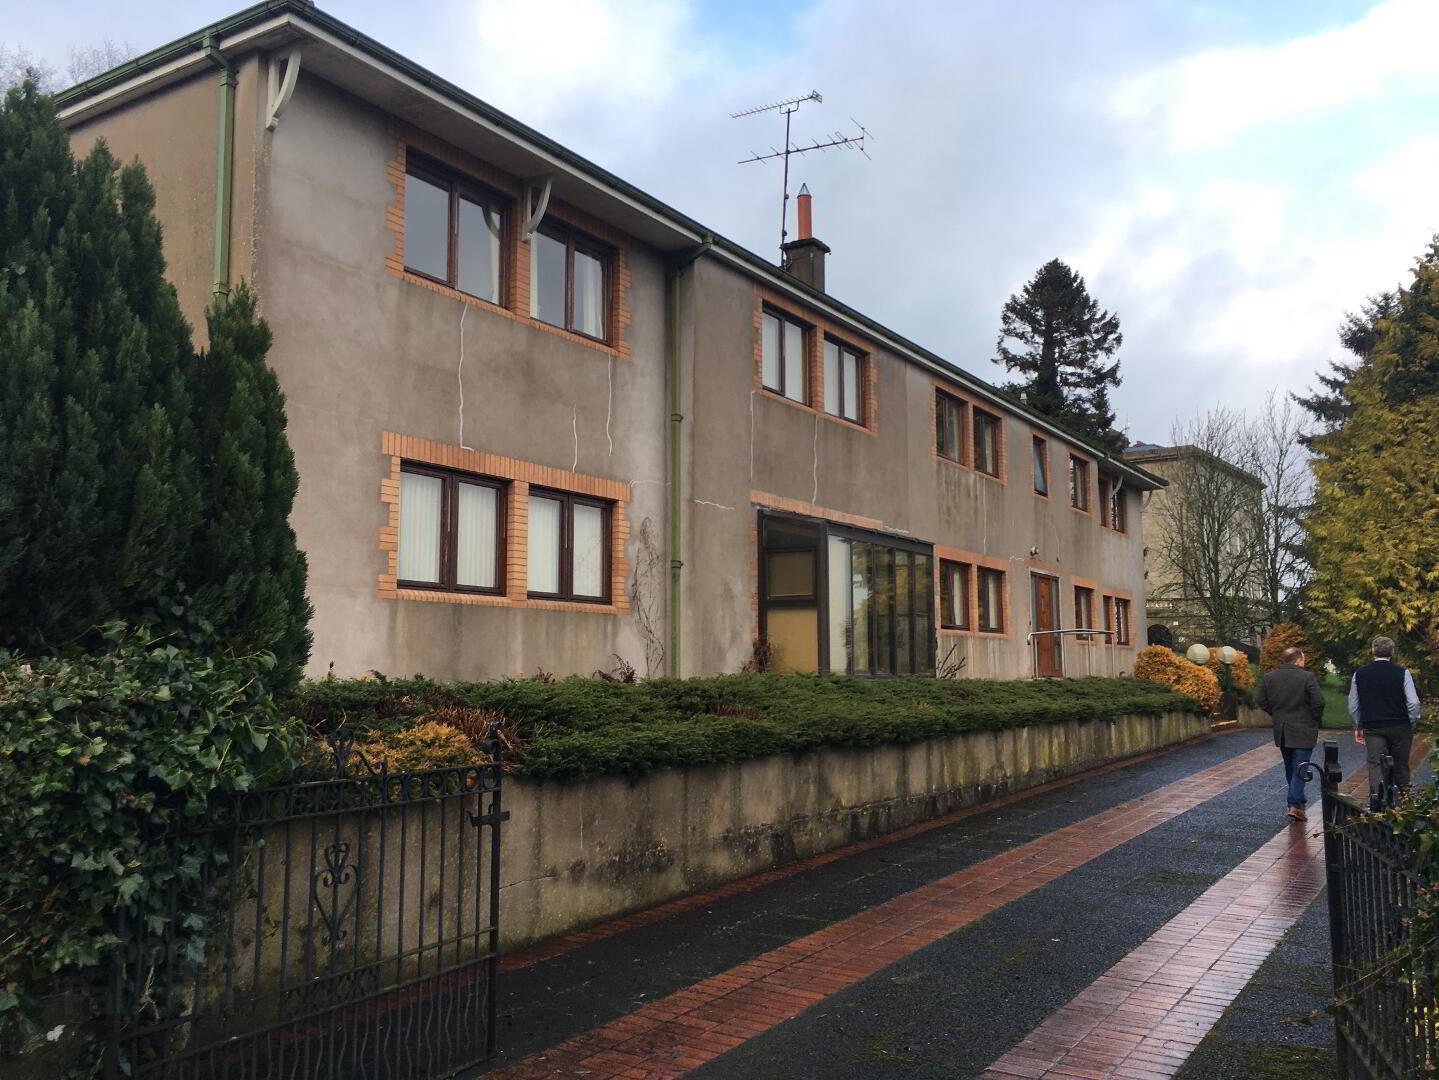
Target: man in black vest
{"x":1291,"y":696}
{"x":1384,"y":707}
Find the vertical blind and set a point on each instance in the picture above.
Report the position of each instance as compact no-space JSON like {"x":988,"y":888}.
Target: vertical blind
{"x":545,"y":535}
{"x":476,"y":527}
{"x":589,"y":295}
{"x":589,"y":550}
{"x":420,"y":527}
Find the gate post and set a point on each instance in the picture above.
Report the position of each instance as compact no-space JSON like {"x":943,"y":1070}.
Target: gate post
{"x":1334,"y":883}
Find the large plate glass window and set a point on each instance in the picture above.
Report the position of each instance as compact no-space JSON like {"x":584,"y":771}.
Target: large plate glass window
{"x":568,"y":553}
{"x":843,"y":378}
{"x":570,"y":283}
{"x":454,"y":231}
{"x":451,"y":530}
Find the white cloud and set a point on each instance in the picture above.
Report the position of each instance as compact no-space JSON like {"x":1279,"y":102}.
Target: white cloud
{"x":1208,"y":98}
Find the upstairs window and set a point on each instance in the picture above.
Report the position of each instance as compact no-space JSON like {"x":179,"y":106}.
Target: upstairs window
{"x":1078,"y":483}
{"x":954,"y":595}
{"x":1104,"y":503}
{"x":948,"y":426}
{"x":451,"y":530}
{"x":986,"y":442}
{"x":570,"y":281}
{"x":454,"y":232}
{"x":1118,"y":518}
{"x":991,"y":601}
{"x":843,"y":382}
{"x":1041,"y":467}
{"x":784,"y":352}
{"x":569,"y":548}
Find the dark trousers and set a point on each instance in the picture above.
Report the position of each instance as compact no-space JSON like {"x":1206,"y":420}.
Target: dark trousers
{"x":1294,"y":773}
{"x":1394,"y":740}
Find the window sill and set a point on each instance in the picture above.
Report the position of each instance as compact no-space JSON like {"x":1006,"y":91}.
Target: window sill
{"x":440,"y":596}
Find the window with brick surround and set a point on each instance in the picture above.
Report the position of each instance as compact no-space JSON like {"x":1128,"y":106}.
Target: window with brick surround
{"x":843,"y":381}
{"x":1084,"y":611}
{"x":569,"y":546}
{"x":948,"y":426}
{"x":570,"y":281}
{"x":784,"y":353}
{"x":1121,"y":621}
{"x":1041,"y":467}
{"x":954,"y":595}
{"x":451,"y":530}
{"x":991,"y":601}
{"x":986,"y":442}
{"x":454,"y":231}
{"x":1078,"y":483}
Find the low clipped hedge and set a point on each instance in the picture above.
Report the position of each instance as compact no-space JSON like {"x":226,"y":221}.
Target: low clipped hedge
{"x":578,"y":727}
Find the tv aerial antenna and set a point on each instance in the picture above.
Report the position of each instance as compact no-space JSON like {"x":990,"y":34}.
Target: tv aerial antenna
{"x":836,"y":140}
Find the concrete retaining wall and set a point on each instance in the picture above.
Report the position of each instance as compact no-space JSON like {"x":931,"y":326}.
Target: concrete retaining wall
{"x":580,"y":852}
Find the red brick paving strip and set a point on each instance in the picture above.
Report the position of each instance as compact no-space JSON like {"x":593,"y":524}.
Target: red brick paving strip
{"x":680,"y":1032}
{"x":556,"y":946}
{"x":1142,"y":1018}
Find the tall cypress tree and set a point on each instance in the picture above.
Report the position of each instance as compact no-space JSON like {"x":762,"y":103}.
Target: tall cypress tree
{"x":1054,"y":333}
{"x":106,"y":451}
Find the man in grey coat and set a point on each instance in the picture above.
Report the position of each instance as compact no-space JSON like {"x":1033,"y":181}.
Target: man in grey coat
{"x":1290,"y":695}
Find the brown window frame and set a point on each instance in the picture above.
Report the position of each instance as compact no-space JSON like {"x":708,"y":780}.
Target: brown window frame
{"x":460,"y":186}
{"x":1119,"y":510}
{"x":806,"y":329}
{"x":983,"y":624}
{"x":861,"y":360}
{"x":1108,"y":602}
{"x":1040,"y":466}
{"x":966,"y":575}
{"x":575,"y":240}
{"x":961,"y":426}
{"x":449,"y":528}
{"x":1122,"y":620}
{"x":1084,"y":620}
{"x":979,"y":421}
{"x":1079,"y":491}
{"x":568,"y":500}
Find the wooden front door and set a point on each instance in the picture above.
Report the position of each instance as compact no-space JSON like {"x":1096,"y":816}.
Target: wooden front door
{"x":1045,"y":605}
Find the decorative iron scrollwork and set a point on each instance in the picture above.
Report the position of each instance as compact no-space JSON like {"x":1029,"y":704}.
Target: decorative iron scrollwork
{"x":337,"y":876}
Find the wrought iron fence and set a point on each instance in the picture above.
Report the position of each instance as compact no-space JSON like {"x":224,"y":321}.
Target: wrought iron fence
{"x":356,"y":935}
{"x":1386,"y":1012}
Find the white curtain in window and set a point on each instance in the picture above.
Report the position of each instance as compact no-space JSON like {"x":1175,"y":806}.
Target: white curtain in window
{"x":770,"y":349}
{"x":420,"y":498}
{"x":794,"y":361}
{"x":544,"y":568}
{"x":479,"y":252}
{"x":831,"y":378}
{"x":476,"y":564}
{"x":851,"y":387}
{"x":589,"y":569}
{"x":589,"y":295}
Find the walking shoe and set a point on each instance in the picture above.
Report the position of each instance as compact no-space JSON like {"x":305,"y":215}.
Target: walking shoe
{"x":1297,"y":813}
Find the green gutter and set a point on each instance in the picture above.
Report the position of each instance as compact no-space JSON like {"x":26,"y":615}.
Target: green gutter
{"x":762,"y":268}
{"x":677,"y":420}
{"x":224,"y":169}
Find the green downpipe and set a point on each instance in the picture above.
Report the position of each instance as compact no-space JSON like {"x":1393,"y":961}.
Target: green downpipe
{"x":224,"y":169}
{"x":677,"y":420}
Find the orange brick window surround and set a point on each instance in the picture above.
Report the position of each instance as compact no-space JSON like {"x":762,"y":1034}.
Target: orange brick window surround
{"x":518,"y":476}
{"x":515,"y":247}
{"x":819,"y":329}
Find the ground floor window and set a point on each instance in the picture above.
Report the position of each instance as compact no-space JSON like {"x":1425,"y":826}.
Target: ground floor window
{"x":845,"y":600}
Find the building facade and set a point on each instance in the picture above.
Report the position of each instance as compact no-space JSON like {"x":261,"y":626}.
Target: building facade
{"x":543,"y":420}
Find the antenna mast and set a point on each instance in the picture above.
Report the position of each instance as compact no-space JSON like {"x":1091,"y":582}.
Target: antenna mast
{"x":838,"y":139}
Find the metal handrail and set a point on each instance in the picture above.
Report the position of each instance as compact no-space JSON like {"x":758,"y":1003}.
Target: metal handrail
{"x":1030,"y":640}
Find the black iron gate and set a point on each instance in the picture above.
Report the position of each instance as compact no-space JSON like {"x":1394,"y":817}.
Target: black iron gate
{"x":1386,"y":1012}
{"x":356,"y":936}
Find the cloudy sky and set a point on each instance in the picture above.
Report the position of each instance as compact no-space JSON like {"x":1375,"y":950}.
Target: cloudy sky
{"x":1229,"y":176}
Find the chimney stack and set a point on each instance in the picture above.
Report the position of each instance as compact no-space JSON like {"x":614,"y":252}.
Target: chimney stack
{"x":804,"y":258}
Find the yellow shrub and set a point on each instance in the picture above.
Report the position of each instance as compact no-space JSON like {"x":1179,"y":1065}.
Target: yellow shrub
{"x":1166,"y":667}
{"x":1285,"y":635}
{"x":425,"y":746}
{"x":1243,"y":675}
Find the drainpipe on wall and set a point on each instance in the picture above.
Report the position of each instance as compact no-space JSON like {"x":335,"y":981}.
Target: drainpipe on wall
{"x":677,"y":268}
{"x":224,"y":168}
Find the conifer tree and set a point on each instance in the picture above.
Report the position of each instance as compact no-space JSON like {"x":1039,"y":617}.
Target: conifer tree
{"x":1329,"y":405}
{"x":108,"y":453}
{"x":1371,"y":530}
{"x":1054,"y":333}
